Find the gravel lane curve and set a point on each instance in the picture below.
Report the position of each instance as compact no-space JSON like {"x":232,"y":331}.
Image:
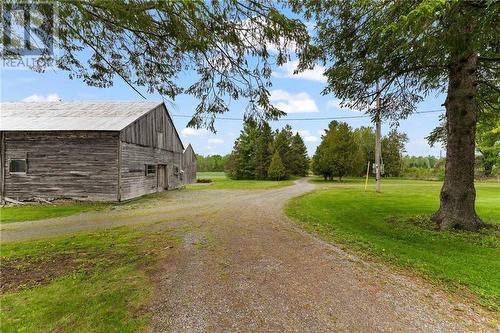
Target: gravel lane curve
{"x":246,"y":268}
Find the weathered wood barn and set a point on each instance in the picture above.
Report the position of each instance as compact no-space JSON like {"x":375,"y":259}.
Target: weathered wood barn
{"x":97,"y":151}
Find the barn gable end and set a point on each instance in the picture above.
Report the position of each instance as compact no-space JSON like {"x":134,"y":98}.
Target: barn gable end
{"x":151,"y":140}
{"x":189,"y":165}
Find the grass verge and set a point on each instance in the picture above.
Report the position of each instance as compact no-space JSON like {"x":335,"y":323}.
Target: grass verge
{"x":95,"y":282}
{"x":45,"y":211}
{"x":221,"y":182}
{"x":33,"y":212}
{"x":393,"y":226}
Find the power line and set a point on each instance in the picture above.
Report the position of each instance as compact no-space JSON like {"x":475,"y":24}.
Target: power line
{"x":308,"y":119}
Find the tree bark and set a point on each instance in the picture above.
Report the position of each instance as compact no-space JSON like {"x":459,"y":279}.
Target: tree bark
{"x":458,"y":195}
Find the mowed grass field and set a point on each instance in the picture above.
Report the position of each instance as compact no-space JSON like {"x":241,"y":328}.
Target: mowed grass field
{"x":221,"y":182}
{"x":33,"y":212}
{"x":394,"y":226}
{"x":96,"y":282}
{"x":45,"y":211}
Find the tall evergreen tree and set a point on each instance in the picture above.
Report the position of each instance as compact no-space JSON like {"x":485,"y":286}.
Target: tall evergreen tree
{"x":282,"y":145}
{"x":299,"y":159}
{"x":365,"y":138}
{"x":277,"y":170}
{"x":262,"y":155}
{"x":337,"y":153}
{"x":242,"y":164}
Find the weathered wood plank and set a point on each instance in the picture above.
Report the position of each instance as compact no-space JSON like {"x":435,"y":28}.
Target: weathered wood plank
{"x":66,"y":164}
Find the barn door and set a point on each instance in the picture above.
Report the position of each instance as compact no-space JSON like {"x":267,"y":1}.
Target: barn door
{"x":162,"y":177}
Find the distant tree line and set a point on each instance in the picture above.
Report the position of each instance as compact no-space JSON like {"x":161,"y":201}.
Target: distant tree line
{"x":211,"y":163}
{"x":347,"y":152}
{"x":487,"y":139}
{"x":261,"y":153}
{"x":423,"y":167}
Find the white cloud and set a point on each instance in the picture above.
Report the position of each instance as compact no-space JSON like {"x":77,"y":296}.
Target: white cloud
{"x":321,"y":132}
{"x":189,"y":131}
{"x":306,"y":135}
{"x":287,"y":70}
{"x":215,"y":141}
{"x":311,"y":138}
{"x":293,"y":103}
{"x":40,"y":98}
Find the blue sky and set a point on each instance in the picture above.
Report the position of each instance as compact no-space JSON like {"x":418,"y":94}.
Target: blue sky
{"x":298,"y":95}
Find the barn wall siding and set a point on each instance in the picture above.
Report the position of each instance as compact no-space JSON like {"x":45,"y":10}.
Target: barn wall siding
{"x":76,"y":165}
{"x":189,"y":165}
{"x":134,"y":181}
{"x":154,"y":129}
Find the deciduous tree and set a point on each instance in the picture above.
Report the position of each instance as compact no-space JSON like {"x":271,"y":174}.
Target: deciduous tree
{"x":393,"y":148}
{"x":411,"y":48}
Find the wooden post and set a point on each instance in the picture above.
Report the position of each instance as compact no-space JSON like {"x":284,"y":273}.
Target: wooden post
{"x":378,"y":148}
{"x":367,"y":173}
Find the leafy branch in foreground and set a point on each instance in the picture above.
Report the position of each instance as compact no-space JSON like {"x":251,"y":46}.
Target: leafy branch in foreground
{"x":224,"y":49}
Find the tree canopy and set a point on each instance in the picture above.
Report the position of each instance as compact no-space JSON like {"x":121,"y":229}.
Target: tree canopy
{"x":405,"y":46}
{"x":393,"y":148}
{"x":229,"y":45}
{"x":338,"y":153}
{"x":399,"y":52}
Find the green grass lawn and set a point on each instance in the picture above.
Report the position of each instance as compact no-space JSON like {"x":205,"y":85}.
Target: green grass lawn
{"x":32,"y":212}
{"x":221,"y":182}
{"x":45,"y":211}
{"x":95,"y":282}
{"x":379,"y":225}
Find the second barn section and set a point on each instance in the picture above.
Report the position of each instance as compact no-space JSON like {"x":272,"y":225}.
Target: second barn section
{"x":95,"y":151}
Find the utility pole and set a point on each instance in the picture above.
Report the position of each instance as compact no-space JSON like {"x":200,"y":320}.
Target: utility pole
{"x":378,"y":147}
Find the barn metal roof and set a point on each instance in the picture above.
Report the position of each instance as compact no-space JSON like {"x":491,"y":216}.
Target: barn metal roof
{"x":71,"y":116}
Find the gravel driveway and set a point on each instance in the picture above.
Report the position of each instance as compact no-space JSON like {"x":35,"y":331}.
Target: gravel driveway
{"x":244,"y":267}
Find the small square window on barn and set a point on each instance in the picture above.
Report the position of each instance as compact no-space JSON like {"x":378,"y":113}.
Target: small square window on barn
{"x":18,"y":166}
{"x":150,"y":169}
{"x":176,"y":170}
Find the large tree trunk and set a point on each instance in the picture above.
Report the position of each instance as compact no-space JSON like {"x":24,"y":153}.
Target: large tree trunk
{"x":458,"y":194}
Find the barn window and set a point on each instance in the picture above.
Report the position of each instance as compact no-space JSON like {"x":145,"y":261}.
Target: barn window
{"x":176,"y":170}
{"x":18,"y":166}
{"x":150,"y":169}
